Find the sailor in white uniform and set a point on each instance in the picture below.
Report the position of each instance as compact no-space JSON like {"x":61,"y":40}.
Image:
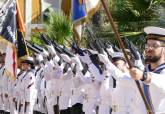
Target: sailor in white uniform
{"x":153,"y":77}
{"x":38,"y":108}
{"x":2,"y":67}
{"x":28,"y":88}
{"x":122,"y":102}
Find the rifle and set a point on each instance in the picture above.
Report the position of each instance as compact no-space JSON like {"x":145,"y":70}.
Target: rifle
{"x":31,"y":47}
{"x":147,"y":105}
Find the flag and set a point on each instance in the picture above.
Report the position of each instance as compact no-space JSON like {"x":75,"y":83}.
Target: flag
{"x":22,"y":51}
{"x":12,"y":33}
{"x":8,"y":33}
{"x":20,"y":22}
{"x":9,"y":25}
{"x":66,"y":7}
{"x":91,"y":7}
{"x":82,"y":11}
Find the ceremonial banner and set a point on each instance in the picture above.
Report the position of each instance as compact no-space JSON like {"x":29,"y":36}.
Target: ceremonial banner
{"x":12,"y":33}
{"x":8,"y":33}
{"x":82,"y":11}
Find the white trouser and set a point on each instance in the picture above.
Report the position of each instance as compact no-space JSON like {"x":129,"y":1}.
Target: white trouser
{"x":50,"y":102}
{"x":21,"y":110}
{"x":6,"y":103}
{"x":89,"y":107}
{"x":1,"y":102}
{"x":50,"y":105}
{"x":39,"y":105}
{"x":13,"y":106}
{"x":104,"y":109}
{"x":29,"y":108}
{"x":121,"y":109}
{"x":64,"y":102}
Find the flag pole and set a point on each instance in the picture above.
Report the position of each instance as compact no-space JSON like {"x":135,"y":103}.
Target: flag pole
{"x":121,"y":44}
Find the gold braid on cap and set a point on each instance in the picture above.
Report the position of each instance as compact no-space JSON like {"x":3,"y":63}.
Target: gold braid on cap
{"x":156,"y":37}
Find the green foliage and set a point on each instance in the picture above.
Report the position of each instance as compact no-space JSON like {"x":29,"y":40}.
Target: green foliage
{"x":132,"y":15}
{"x":35,"y":39}
{"x":59,"y":27}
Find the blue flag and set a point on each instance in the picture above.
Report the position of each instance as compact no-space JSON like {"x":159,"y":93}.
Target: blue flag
{"x":78,"y":11}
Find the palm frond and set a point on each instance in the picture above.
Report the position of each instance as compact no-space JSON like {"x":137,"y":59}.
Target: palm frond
{"x":127,"y":12}
{"x":58,"y":27}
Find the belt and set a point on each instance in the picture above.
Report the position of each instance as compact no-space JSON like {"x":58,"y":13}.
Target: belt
{"x":30,"y":85}
{"x":116,"y":108}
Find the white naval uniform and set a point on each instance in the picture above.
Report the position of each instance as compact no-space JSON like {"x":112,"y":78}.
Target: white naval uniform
{"x":92,"y":97}
{"x":157,"y":89}
{"x":40,"y":100}
{"x":48,"y":75}
{"x":18,"y":94}
{"x":78,"y":83}
{"x":66,"y":90}
{"x":43,"y":94}
{"x":124,"y":97}
{"x":106,"y":91}
{"x":29,"y":92}
{"x":78,"y":90}
{"x":12,"y":96}
{"x":1,"y":88}
{"x":56,"y":83}
{"x":157,"y":92}
{"x":5,"y":82}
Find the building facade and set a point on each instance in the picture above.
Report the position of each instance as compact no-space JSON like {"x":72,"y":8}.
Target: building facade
{"x":32,"y":11}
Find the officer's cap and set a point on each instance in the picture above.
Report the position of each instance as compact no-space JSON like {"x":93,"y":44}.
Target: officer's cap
{"x":155,"y":33}
{"x":28,"y":60}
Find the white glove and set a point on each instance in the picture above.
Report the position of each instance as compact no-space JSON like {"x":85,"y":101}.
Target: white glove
{"x":55,"y":60}
{"x":44,"y":53}
{"x":66,"y":58}
{"x":110,"y":50}
{"x":68,"y":75}
{"x":86,"y":59}
{"x":39,"y":57}
{"x":139,"y":64}
{"x":104,"y":59}
{"x":51,"y":49}
{"x":76,"y":60}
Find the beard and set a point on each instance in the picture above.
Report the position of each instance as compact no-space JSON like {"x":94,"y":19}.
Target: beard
{"x":154,"y":59}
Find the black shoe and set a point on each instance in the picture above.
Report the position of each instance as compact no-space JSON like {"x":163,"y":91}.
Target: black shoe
{"x":7,"y":113}
{"x":2,"y":111}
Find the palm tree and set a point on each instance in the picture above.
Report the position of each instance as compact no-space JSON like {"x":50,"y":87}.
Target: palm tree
{"x":130,"y":17}
{"x":59,"y":27}
{"x":133,"y":15}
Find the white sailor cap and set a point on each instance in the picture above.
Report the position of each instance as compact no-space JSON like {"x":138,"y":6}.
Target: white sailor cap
{"x":28,"y":59}
{"x":51,"y":49}
{"x":117,"y":56}
{"x":155,"y":33}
